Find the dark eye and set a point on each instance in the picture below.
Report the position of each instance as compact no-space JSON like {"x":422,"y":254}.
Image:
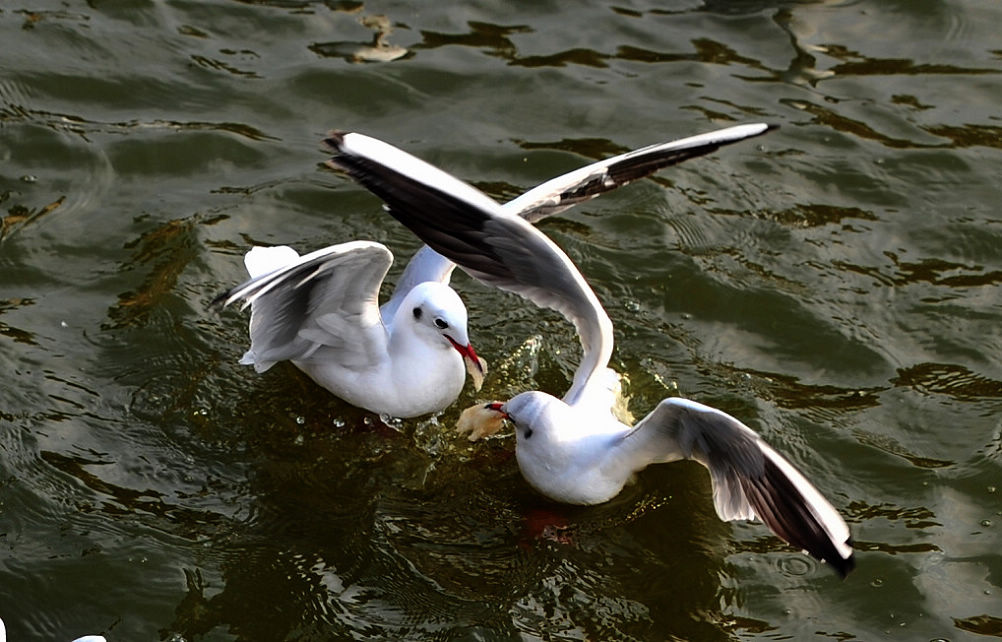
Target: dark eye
{"x":417,"y":313}
{"x":528,"y":433}
{"x":441,"y":324}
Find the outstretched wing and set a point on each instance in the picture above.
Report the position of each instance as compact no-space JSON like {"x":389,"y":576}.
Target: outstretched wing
{"x":749,"y":478}
{"x":581,"y":185}
{"x":327,"y":298}
{"x":468,"y":227}
{"x":560,"y":193}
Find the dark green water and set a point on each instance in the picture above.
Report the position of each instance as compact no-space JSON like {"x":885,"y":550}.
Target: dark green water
{"x":835,"y":285}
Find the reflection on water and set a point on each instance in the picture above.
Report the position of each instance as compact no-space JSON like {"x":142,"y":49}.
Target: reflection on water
{"x":835,"y":285}
{"x":18,"y":216}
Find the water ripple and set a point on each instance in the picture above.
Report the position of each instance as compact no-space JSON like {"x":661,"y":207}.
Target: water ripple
{"x":949,"y":379}
{"x":17,"y":334}
{"x":980,"y":624}
{"x":834,"y":284}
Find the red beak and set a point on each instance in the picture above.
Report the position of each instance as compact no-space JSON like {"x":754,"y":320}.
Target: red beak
{"x":468,"y":352}
{"x":496,"y":407}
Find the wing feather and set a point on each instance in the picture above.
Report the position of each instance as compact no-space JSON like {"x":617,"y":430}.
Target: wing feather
{"x":749,"y":478}
{"x":560,"y":193}
{"x":583,"y":184}
{"x":325,"y":298}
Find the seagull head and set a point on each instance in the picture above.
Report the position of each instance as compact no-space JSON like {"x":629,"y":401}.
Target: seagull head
{"x":529,"y":412}
{"x":436,"y":310}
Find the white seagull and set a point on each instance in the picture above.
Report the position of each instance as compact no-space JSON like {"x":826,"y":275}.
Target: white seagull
{"x":573,"y":449}
{"x":321,"y":312}
{"x":406,"y":358}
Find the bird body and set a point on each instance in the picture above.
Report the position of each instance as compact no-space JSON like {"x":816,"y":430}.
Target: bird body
{"x":577,"y":456}
{"x":420,"y":373}
{"x":320,"y":312}
{"x":565,"y":452}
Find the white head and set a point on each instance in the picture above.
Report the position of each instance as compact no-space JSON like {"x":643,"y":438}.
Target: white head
{"x":554,"y":450}
{"x":532,"y":413}
{"x":434,"y":312}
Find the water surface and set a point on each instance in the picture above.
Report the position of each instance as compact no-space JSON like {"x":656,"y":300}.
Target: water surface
{"x":834,"y":284}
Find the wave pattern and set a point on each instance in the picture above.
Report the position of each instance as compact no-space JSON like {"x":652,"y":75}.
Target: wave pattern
{"x":834,"y":284}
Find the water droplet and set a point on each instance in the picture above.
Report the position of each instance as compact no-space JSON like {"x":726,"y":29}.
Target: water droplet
{"x":299,"y":440}
{"x":301,"y":420}
{"x":986,"y":523}
{"x":338,"y":422}
{"x":877,"y":583}
{"x":367,"y":420}
{"x":392,"y":422}
{"x":28,"y":178}
{"x":632,"y":306}
{"x":988,"y":591}
{"x":991,"y":489}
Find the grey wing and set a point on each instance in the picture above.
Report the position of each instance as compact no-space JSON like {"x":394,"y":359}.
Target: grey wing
{"x":584,"y":184}
{"x":749,"y":478}
{"x":469,"y":228}
{"x":328,"y":298}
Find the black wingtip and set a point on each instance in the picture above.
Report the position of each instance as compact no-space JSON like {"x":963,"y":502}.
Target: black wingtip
{"x":789,"y":514}
{"x":824,"y":549}
{"x":843,"y":566}
{"x":334,"y":140}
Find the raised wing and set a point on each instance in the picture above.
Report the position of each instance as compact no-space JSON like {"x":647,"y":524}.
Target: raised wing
{"x":581,"y":185}
{"x":425,"y":265}
{"x":560,"y":193}
{"x":749,"y":478}
{"x":468,"y":227}
{"x":328,"y":298}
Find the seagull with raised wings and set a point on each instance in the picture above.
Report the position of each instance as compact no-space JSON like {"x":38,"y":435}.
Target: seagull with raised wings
{"x":573,"y":449}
